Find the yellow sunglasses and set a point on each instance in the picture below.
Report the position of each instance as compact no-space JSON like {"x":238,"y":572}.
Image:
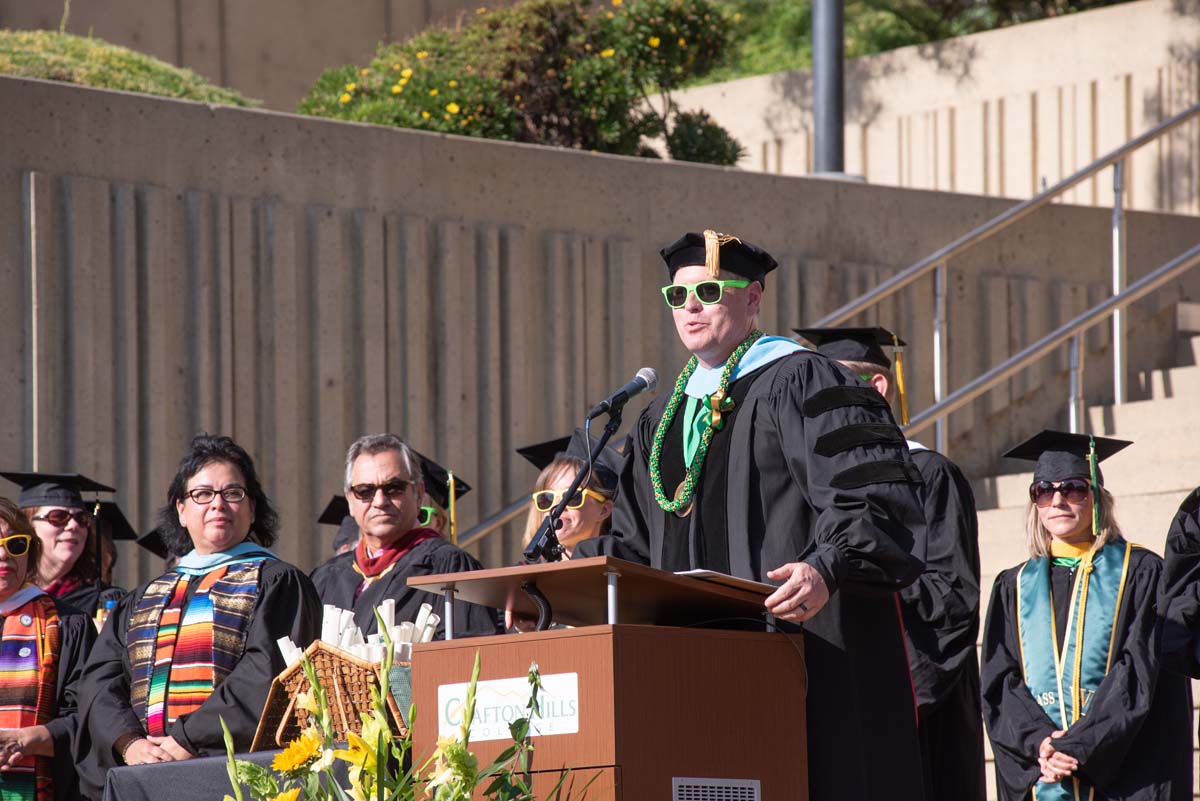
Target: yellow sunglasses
{"x":15,"y":544}
{"x":546,"y":500}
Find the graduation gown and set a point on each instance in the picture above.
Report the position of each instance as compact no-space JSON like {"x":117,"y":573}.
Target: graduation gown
{"x":941,"y":626}
{"x":1181,"y":590}
{"x":286,"y":606}
{"x":88,"y":598}
{"x":337,"y":580}
{"x":77,"y":633}
{"x":1135,"y":740}
{"x":809,"y":467}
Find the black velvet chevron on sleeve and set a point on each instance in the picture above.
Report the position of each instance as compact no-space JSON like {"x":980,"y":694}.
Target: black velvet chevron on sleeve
{"x":837,"y":397}
{"x":882,"y":472}
{"x":856,"y":435}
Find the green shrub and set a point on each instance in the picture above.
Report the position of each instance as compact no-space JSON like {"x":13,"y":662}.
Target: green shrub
{"x":552,"y":72}
{"x":695,"y":137}
{"x":84,"y":60}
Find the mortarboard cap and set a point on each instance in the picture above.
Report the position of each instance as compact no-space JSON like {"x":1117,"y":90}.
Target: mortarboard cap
{"x":718,"y":251}
{"x":53,"y":489}
{"x":110,"y":515}
{"x":608,"y":465}
{"x":1060,"y":455}
{"x":152,"y":541}
{"x":337,"y":513}
{"x":853,"y":344}
{"x":437,"y":482}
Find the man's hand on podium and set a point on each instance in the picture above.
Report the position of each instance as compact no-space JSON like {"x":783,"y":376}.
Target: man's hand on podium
{"x":518,"y":621}
{"x":802,"y":595}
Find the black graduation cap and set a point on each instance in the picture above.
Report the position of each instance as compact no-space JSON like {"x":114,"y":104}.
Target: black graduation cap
{"x":853,"y":344}
{"x":607,"y":467}
{"x":1060,"y":455}
{"x":437,"y":482}
{"x":152,"y":541}
{"x":718,"y":251}
{"x":110,"y":515}
{"x":337,"y":513}
{"x":53,"y":489}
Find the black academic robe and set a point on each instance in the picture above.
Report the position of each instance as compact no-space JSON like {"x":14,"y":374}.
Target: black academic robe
{"x":809,"y":467}
{"x":1180,"y":590}
{"x":287,"y":606}
{"x":87,"y":598}
{"x":77,"y":633}
{"x":337,"y":581}
{"x":941,"y":625}
{"x":1135,"y":740}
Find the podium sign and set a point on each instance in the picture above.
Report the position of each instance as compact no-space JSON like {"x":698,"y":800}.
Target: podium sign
{"x":642,"y":709}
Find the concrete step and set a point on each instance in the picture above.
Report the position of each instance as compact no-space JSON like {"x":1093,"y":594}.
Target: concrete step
{"x":1171,"y":382}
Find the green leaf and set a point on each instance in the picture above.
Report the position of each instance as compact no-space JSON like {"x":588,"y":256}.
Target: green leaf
{"x":231,"y":764}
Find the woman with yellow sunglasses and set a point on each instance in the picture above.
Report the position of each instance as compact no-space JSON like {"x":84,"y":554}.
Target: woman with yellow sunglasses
{"x":589,"y":509}
{"x":43,"y":647}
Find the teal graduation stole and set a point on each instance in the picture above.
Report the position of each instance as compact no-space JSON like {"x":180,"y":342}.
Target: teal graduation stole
{"x":1063,"y":683}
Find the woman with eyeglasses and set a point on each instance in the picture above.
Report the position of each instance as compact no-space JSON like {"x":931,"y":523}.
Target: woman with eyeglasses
{"x":68,"y":567}
{"x":43,"y":648}
{"x":196,"y":646}
{"x":1074,"y":700}
{"x":588,"y":511}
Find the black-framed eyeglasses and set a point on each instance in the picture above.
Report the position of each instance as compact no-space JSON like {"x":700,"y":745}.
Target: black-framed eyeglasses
{"x":1074,"y":490}
{"x":203,"y":496}
{"x":707,"y":292}
{"x":60,"y":517}
{"x":426,"y":514}
{"x":16,"y":544}
{"x":391,"y":489}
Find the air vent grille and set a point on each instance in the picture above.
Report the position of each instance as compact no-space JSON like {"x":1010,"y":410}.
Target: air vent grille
{"x":687,"y":788}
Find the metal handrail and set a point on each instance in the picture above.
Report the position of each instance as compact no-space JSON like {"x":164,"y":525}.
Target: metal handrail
{"x":998,"y":223}
{"x":1068,"y":331}
{"x":936,"y":262}
{"x":501,"y":518}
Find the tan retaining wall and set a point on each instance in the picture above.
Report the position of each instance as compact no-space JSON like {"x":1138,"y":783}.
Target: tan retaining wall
{"x":168,"y":268}
{"x":999,"y":113}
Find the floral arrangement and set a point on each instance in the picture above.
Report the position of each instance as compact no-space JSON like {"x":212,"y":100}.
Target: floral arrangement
{"x":375,"y":759}
{"x":570,"y":73}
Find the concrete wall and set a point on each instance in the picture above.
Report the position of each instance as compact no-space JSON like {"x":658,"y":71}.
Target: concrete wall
{"x":272,"y":50}
{"x":1000,"y":113}
{"x":168,"y":268}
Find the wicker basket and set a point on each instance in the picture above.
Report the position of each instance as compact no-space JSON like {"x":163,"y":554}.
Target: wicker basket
{"x":348,"y":682}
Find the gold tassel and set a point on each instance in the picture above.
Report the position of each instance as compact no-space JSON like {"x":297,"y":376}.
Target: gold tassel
{"x":453,"y":520}
{"x":712,"y":250}
{"x":898,"y":358}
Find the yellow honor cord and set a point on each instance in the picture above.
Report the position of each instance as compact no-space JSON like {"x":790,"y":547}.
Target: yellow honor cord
{"x":898,"y":360}
{"x":453,"y":521}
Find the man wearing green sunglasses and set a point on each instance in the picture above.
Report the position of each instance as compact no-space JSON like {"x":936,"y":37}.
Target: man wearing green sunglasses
{"x":771,"y":463}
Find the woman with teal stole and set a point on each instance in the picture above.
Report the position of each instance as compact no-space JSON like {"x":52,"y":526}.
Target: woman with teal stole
{"x":195,"y":649}
{"x":1074,"y":700}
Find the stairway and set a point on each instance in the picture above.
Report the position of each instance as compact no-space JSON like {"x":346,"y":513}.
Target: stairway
{"x":1149,"y":479}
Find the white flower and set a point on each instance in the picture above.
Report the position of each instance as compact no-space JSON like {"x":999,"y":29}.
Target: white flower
{"x":325,"y":762}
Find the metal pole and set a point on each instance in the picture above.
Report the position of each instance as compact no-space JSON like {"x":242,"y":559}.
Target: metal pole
{"x":1118,"y":282}
{"x":939,"y":353}
{"x":448,"y":610}
{"x":612,"y":596}
{"x":828,"y":45}
{"x":1075,"y":406}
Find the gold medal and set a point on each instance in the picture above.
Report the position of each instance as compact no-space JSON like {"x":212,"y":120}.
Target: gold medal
{"x":686,"y":510}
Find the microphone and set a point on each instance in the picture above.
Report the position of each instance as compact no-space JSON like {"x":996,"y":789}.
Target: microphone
{"x":646,"y":379}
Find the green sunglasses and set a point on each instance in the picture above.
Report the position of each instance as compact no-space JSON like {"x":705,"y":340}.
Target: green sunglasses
{"x":707,"y":292}
{"x":425,"y":515}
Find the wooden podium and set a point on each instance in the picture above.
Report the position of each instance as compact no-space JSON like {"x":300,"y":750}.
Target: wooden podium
{"x":656,"y":707}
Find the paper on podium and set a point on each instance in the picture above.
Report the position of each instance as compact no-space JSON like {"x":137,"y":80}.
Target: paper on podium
{"x":729,"y":581}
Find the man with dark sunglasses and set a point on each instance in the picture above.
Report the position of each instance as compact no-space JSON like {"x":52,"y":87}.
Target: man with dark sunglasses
{"x":771,"y":463}
{"x":941,"y":608}
{"x":385,"y":486}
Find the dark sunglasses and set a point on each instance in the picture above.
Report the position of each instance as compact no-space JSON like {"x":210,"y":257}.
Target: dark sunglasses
{"x":60,"y":517}
{"x":1074,"y":490}
{"x":391,"y":490}
{"x":16,"y":544}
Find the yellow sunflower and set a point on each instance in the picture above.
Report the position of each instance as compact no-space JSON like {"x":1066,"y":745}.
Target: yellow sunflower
{"x":298,"y":754}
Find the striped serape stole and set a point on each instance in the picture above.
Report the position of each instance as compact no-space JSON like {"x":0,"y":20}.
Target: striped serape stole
{"x":29,"y":654}
{"x":181,"y":652}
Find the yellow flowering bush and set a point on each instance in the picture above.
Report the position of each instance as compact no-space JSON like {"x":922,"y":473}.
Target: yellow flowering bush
{"x":551,"y":72}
